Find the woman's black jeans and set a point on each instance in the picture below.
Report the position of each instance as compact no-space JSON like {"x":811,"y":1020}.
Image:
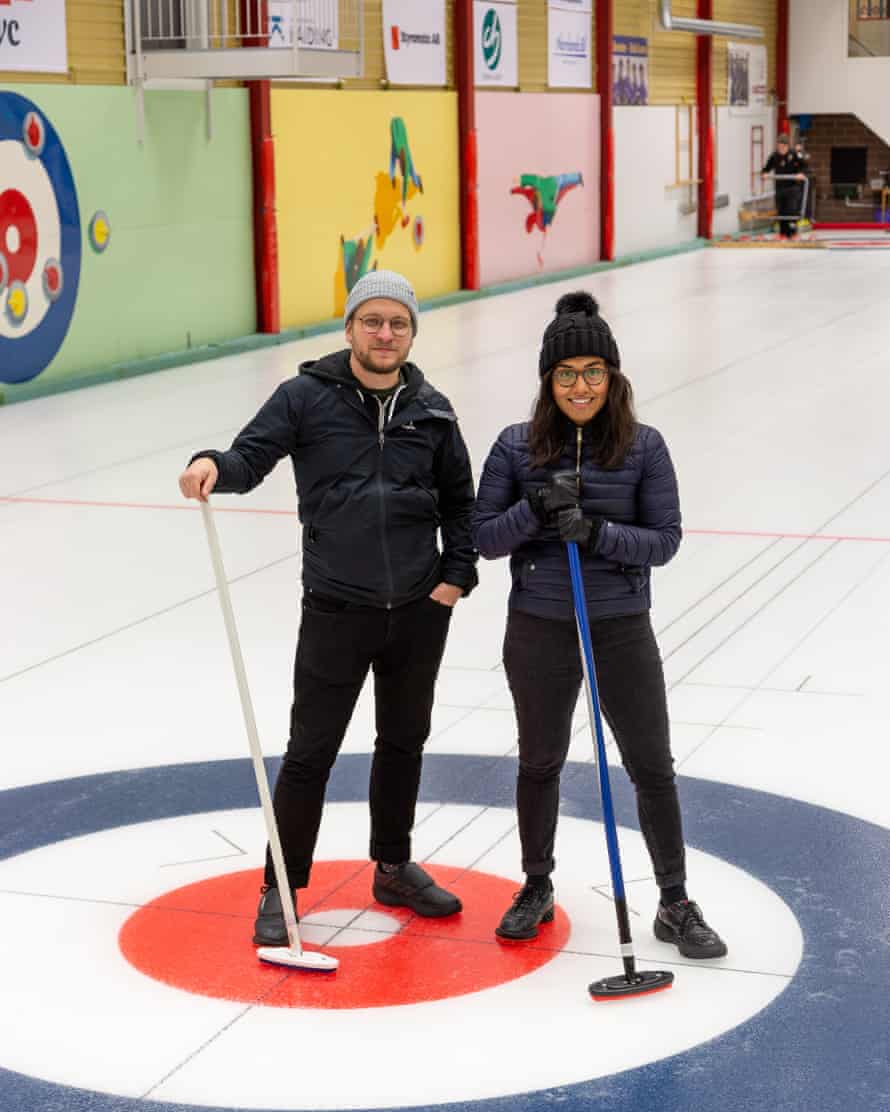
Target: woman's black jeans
{"x":338,"y":644}
{"x":543,"y":667}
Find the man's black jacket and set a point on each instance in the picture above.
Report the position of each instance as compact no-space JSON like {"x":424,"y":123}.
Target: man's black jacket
{"x":783,"y":165}
{"x":374,"y":486}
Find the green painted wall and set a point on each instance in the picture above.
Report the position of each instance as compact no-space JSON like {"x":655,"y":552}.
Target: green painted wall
{"x":179,"y":271}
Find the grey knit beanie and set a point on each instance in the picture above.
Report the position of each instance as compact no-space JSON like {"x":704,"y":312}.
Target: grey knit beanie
{"x":382,"y":283}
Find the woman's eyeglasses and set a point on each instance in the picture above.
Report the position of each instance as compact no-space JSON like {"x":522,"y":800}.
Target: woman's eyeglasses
{"x":593,"y":376}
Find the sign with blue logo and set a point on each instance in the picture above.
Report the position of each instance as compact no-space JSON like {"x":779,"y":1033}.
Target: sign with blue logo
{"x":570,"y":54}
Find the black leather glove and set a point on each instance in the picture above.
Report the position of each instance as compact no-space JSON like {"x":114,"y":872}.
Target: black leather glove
{"x":574,"y":526}
{"x":560,"y":493}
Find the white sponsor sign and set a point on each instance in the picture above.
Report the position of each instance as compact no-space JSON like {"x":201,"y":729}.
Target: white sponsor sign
{"x":32,"y":36}
{"x":747,"y":78}
{"x":317,"y":22}
{"x":570,"y":54}
{"x":414,"y":41}
{"x":496,"y":53}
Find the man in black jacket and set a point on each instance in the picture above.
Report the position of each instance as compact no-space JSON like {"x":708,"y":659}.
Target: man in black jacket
{"x":380,"y":467}
{"x":787,"y":165}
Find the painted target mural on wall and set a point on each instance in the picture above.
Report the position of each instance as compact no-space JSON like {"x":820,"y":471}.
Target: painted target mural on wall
{"x":40,"y":240}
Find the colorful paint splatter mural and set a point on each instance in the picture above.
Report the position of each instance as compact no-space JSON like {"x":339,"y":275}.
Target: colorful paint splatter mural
{"x":392,"y":194}
{"x":384,"y":192}
{"x":544,"y":194}
{"x":538,"y":205}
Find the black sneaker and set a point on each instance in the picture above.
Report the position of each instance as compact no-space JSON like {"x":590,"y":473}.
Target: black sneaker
{"x":269,"y":928}
{"x":683,"y":924}
{"x":411,"y":887}
{"x":531,"y":906}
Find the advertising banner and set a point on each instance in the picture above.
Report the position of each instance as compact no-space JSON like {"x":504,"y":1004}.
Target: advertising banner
{"x":414,"y":41}
{"x":569,"y":56}
{"x":32,"y":36}
{"x":497,"y":44}
{"x":630,"y":70}
{"x":747,"y":77}
{"x":318,"y":24}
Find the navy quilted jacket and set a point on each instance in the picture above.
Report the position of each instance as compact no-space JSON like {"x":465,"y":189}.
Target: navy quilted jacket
{"x":638,"y":501}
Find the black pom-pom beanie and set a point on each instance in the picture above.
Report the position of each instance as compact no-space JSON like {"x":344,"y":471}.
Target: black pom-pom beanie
{"x":577,"y":329}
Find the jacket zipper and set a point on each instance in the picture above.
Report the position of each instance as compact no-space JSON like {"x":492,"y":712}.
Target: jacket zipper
{"x":381,"y":490}
{"x":580,"y":434}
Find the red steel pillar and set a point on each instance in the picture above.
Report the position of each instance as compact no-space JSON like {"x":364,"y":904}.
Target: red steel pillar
{"x":607,"y":144}
{"x":704,"y":52}
{"x":782,"y":65}
{"x":265,"y":228}
{"x":469,"y":160}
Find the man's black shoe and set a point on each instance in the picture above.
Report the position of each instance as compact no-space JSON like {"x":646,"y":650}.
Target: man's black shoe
{"x":269,"y":928}
{"x":683,"y":924}
{"x":531,"y":906}
{"x":409,"y":886}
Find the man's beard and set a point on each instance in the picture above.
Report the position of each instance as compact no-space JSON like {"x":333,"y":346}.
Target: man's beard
{"x":364,"y":361}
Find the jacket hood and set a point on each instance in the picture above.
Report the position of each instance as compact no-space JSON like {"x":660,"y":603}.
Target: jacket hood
{"x":335,"y":368}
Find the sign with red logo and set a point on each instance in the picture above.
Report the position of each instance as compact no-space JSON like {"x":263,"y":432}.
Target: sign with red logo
{"x":414,"y":41}
{"x":32,"y":36}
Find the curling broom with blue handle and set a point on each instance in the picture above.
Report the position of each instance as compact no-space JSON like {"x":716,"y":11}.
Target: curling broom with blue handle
{"x":632,"y":982}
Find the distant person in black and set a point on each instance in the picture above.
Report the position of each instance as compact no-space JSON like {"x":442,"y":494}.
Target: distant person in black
{"x":787,"y":165}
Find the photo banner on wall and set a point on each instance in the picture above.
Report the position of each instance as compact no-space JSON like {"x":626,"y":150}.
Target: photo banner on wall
{"x":497,"y":44}
{"x":747,"y":77}
{"x":33,"y":36}
{"x":630,"y":70}
{"x":414,"y":41}
{"x":569,"y":56}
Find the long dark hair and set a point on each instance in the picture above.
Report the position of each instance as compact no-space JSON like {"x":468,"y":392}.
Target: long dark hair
{"x":615,"y":425}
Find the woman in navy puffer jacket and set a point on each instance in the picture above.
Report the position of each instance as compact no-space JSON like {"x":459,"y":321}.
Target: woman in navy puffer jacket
{"x":584,"y":470}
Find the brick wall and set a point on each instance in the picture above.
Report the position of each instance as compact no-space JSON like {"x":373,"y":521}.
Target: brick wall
{"x":843,"y":131}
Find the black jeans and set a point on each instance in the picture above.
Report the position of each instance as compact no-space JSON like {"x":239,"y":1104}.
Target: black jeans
{"x":338,"y":643}
{"x":543,"y":667}
{"x":788,"y":201}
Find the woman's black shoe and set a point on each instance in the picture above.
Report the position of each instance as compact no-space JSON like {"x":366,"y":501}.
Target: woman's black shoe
{"x":531,"y":906}
{"x":683,"y":924}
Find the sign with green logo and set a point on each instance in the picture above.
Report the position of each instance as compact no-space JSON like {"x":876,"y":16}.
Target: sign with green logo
{"x":496,"y":52}
{"x":492,"y":42}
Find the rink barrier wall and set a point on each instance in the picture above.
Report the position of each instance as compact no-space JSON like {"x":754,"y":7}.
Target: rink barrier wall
{"x":257,"y":341}
{"x":174,"y":267}
{"x":384,"y":193}
{"x":539,"y":187}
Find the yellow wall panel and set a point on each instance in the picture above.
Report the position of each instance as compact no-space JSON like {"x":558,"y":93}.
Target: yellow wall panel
{"x":95,"y":47}
{"x":630,"y":17}
{"x":757,"y":13}
{"x":532,"y":35}
{"x":345,"y":206}
{"x":672,"y":53}
{"x":671,"y":57}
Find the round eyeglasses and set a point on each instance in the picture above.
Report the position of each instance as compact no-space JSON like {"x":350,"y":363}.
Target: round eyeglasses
{"x":372,"y":324}
{"x":593,"y":376}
